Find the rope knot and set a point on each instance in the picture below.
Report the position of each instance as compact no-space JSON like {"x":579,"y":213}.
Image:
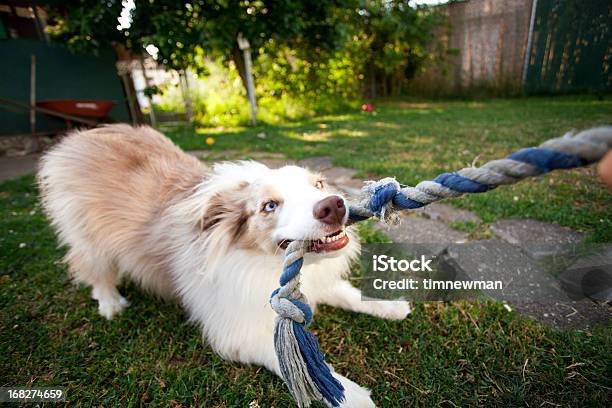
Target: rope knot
{"x":287,"y":301}
{"x":379,"y":198}
{"x":291,"y":308}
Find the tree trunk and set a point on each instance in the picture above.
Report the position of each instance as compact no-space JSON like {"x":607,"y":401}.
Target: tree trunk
{"x":239,"y":62}
{"x":149,"y":98}
{"x":186,"y":90}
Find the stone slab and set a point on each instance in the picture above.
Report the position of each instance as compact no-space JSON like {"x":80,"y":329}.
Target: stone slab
{"x":277,"y":163}
{"x":448,"y":213}
{"x":352,"y":187}
{"x":317,"y":163}
{"x":418,"y":230}
{"x":339,"y":175}
{"x":539,"y":239}
{"x":527,"y":286}
{"x":17,"y":166}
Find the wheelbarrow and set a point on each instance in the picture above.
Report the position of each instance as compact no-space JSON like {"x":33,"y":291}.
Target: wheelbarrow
{"x":85,"y":112}
{"x":79,"y":107}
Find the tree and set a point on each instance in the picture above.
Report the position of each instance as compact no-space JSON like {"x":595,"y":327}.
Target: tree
{"x":185,"y":32}
{"x":396,"y":39}
{"x":379,"y":42}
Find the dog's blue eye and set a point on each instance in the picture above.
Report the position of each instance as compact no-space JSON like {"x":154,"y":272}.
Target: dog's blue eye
{"x":270,"y":206}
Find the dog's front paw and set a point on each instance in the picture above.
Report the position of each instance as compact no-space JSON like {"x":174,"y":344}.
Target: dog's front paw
{"x":109,"y":307}
{"x":355,"y":396}
{"x":396,"y":310}
{"x":360,"y":400}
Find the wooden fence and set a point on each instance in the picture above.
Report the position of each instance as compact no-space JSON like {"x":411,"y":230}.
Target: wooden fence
{"x":488,"y":40}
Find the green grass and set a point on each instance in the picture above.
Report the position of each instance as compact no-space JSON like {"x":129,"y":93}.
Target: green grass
{"x":415,"y":141}
{"x":444,"y":354}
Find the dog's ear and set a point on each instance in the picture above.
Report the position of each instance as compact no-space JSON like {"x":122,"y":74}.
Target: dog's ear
{"x":227,"y":212}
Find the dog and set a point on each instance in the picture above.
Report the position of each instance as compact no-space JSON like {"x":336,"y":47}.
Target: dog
{"x":127,"y":202}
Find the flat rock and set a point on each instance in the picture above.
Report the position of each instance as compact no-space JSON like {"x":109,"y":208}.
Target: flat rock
{"x":17,"y":166}
{"x":352,"y":187}
{"x":526,"y":285}
{"x":448,"y":213}
{"x":277,"y":163}
{"x":539,"y":239}
{"x":339,"y":175}
{"x":317,"y":163}
{"x":419,"y":230}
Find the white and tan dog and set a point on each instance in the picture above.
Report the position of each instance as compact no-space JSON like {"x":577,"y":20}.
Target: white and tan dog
{"x":126,"y":201}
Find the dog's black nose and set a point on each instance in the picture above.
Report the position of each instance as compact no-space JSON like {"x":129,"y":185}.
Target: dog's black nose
{"x":330,"y":210}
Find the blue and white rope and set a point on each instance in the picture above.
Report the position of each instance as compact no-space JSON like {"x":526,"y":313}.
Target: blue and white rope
{"x":302,"y":364}
{"x":385,"y":197}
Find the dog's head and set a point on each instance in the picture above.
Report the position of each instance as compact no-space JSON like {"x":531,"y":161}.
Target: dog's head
{"x":249,"y":206}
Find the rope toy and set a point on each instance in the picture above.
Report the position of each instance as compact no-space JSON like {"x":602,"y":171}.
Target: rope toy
{"x":302,"y":364}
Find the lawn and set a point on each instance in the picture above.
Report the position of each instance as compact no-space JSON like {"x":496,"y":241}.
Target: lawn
{"x":444,"y":354}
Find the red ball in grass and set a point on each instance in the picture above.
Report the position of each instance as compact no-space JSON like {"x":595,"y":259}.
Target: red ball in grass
{"x":367,"y":107}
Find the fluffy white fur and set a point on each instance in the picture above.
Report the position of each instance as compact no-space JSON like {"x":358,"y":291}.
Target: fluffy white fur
{"x":127,"y":202}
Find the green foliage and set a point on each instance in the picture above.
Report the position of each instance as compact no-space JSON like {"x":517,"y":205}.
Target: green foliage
{"x":85,"y":25}
{"x":184,"y":32}
{"x":219,"y":99}
{"x":396,"y":41}
{"x":281,"y":70}
{"x":305,"y":49}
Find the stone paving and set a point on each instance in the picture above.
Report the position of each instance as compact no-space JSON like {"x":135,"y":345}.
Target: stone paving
{"x":519,"y":254}
{"x":17,"y":166}
{"x":448,"y":214}
{"x":528,"y":287}
{"x":539,"y":239}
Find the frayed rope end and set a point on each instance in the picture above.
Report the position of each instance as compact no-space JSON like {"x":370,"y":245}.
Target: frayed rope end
{"x":303,"y":366}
